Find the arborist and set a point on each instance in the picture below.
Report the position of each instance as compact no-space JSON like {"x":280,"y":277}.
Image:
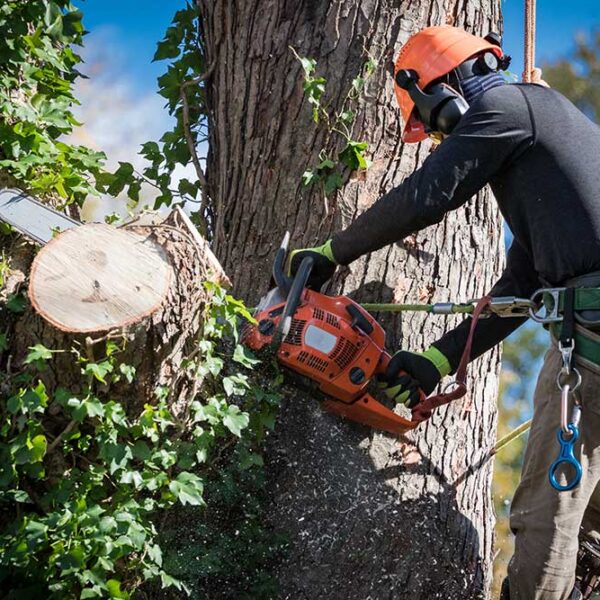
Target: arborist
{"x":541,"y":157}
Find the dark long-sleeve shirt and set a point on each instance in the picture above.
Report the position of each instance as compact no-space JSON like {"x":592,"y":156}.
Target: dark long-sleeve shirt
{"x":541,"y":156}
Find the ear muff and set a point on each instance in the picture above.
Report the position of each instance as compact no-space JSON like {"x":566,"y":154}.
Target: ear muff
{"x":440,"y":108}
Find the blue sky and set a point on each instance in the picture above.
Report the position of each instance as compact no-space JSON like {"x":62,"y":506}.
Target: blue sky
{"x":557,"y":23}
{"x":133,"y":27}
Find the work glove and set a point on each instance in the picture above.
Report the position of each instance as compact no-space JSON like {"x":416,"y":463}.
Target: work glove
{"x":408,"y":373}
{"x":324,"y":264}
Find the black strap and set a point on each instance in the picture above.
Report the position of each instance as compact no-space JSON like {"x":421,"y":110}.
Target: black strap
{"x":568,"y":324}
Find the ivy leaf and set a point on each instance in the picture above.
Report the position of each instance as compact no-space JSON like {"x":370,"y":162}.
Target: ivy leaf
{"x":236,"y":385}
{"x":235,"y":420}
{"x":352,"y":155}
{"x":187,"y":488}
{"x":133,"y":478}
{"x":37,"y":448}
{"x":128,"y":371}
{"x":326,"y":164}
{"x":114,"y":590}
{"x":309,"y":177}
{"x":154,"y":553}
{"x":99,"y":370}
{"x":38,"y":354}
{"x":88,"y":407}
{"x":244,"y":356}
{"x":347,"y":117}
{"x":358,"y":83}
{"x":166,"y":49}
{"x":333,"y":182}
{"x":309,"y":65}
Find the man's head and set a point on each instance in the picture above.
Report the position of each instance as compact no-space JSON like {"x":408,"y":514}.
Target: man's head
{"x":438,"y":71}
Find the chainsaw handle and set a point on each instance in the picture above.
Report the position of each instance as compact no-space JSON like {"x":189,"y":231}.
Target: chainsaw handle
{"x":283,"y":282}
{"x":294,"y":295}
{"x":384,"y":361}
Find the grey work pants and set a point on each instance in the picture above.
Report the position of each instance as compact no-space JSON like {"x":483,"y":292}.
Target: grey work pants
{"x":546,"y":522}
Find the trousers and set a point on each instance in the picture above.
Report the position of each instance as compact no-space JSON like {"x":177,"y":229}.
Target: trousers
{"x":547,"y":523}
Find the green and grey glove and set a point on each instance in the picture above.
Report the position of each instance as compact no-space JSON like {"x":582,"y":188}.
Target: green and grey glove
{"x":324,"y":265}
{"x":408,"y":373}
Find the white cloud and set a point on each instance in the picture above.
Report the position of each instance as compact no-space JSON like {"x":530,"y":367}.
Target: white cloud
{"x":117,"y":117}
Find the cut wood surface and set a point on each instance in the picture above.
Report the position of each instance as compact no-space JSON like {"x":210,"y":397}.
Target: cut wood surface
{"x":97,"y":277}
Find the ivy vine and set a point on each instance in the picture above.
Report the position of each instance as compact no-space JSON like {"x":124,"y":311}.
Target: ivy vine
{"x":90,"y":531}
{"x":38,"y":67}
{"x":330,"y":170}
{"x":88,"y":491}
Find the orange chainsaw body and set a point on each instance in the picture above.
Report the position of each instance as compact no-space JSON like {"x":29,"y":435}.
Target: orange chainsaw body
{"x":338,"y":347}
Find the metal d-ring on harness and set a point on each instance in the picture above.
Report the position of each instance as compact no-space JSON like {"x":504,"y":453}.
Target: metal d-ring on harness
{"x":567,"y":380}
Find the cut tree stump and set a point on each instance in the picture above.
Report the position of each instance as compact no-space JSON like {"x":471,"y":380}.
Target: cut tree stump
{"x":141,"y":286}
{"x":96,"y":278}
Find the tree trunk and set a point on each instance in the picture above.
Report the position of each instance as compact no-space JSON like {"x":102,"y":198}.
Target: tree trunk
{"x":368,"y":515}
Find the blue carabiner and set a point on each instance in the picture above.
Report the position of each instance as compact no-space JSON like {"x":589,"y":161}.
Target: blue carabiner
{"x":566,"y":456}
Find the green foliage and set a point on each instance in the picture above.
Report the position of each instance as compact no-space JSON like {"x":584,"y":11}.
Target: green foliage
{"x":182,"y":88}
{"x":82,"y":481}
{"x":578,"y":76}
{"x":338,"y":124}
{"x":38,"y":69}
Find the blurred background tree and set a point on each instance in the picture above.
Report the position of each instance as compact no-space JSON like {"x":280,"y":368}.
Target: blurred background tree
{"x":577,"y":76}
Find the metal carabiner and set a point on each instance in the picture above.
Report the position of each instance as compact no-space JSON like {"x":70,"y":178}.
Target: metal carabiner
{"x":566,"y":456}
{"x":567,"y":356}
{"x":511,"y":306}
{"x":564,"y":385}
{"x":552,"y":313}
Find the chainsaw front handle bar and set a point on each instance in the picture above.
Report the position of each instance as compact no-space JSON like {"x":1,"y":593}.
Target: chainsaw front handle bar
{"x":294,"y":295}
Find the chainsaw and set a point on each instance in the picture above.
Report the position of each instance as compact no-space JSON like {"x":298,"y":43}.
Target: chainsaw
{"x":328,"y":344}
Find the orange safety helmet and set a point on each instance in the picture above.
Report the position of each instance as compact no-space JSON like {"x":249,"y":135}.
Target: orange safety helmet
{"x":433,"y":53}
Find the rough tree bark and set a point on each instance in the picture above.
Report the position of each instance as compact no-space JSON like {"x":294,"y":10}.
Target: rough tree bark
{"x":368,"y":516}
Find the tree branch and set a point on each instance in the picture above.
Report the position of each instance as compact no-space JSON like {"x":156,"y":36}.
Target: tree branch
{"x":185,"y":113}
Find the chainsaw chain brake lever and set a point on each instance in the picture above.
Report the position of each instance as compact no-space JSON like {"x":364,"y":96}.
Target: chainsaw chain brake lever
{"x":299,"y":282}
{"x":282,"y":281}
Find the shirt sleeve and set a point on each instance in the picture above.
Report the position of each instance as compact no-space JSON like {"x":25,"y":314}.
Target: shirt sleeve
{"x":518,"y":279}
{"x":495,"y":130}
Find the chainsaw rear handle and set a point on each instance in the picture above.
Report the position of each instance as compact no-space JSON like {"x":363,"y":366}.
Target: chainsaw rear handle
{"x":299,"y":282}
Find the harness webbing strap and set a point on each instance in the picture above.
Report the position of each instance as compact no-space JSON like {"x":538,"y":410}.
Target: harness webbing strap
{"x":584,"y":299}
{"x":568,"y":322}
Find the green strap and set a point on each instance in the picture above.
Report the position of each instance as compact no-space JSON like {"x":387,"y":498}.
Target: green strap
{"x":585,"y":299}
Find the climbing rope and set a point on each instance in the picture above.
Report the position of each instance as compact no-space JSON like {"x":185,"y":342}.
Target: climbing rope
{"x":529,"y":50}
{"x":511,"y":435}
